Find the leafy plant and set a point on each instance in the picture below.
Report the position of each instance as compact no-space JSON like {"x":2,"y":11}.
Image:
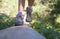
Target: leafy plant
{"x":6,"y":21}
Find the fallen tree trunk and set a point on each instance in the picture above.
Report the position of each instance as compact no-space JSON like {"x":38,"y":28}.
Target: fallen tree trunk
{"x":20,"y":32}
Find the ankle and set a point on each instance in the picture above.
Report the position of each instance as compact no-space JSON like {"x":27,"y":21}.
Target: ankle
{"x":29,"y":8}
{"x":19,"y":14}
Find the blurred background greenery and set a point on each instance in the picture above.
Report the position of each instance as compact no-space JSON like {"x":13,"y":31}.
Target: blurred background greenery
{"x":45,"y":16}
{"x":8,"y":10}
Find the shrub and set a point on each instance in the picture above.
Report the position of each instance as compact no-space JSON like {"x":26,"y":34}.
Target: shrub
{"x":6,"y":21}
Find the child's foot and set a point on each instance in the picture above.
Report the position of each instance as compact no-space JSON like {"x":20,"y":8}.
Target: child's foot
{"x":29,"y":11}
{"x":19,"y":19}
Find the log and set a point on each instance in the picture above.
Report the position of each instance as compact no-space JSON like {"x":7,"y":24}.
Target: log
{"x":20,"y":32}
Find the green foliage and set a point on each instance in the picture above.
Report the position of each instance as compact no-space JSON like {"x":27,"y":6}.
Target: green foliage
{"x":46,"y":29}
{"x":46,"y":18}
{"x":6,"y":21}
{"x":0,"y":3}
{"x":9,"y":9}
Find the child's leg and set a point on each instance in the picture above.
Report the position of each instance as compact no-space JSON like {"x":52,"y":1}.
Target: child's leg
{"x":19,"y":16}
{"x":29,"y":10}
{"x":21,"y":4}
{"x":30,"y":2}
